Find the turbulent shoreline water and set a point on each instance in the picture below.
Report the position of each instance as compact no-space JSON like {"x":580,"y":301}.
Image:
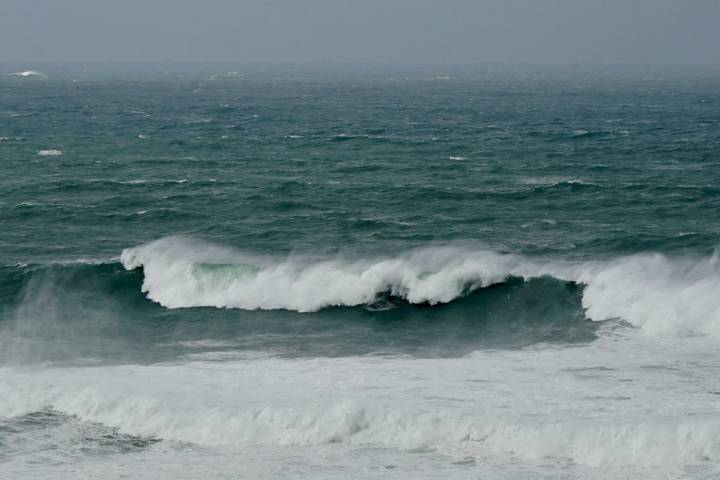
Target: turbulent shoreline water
{"x":319,"y":276}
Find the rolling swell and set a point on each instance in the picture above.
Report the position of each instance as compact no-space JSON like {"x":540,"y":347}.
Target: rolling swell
{"x":89,"y":313}
{"x":179,"y":297}
{"x":660,"y":294}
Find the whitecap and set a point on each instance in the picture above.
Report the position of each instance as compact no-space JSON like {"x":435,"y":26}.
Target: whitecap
{"x":50,"y":153}
{"x":551,"y":181}
{"x":29,"y":73}
{"x":196,"y":120}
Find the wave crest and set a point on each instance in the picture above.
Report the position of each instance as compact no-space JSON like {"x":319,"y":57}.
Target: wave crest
{"x":660,"y":294}
{"x":181,"y":272}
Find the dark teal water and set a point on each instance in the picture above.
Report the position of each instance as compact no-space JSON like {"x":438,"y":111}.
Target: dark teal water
{"x":319,"y":274}
{"x":548,"y":166}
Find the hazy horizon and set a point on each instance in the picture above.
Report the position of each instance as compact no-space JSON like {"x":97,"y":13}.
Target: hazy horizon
{"x":658,"y":33}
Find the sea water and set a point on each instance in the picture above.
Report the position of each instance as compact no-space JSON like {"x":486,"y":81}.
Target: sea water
{"x":367,"y":274}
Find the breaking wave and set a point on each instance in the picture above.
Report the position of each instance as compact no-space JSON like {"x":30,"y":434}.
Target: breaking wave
{"x":289,"y":403}
{"x":661,"y":294}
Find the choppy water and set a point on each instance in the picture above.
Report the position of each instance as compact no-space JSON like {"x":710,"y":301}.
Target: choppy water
{"x":276,"y":274}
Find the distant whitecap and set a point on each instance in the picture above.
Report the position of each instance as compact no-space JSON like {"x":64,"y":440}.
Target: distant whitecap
{"x":29,"y":73}
{"x":49,"y":153}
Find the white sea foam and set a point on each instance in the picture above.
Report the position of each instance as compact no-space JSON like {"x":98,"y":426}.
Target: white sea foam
{"x":50,"y":153}
{"x":144,"y":181}
{"x":173,"y":279}
{"x":660,"y":294}
{"x":554,"y":181}
{"x":550,"y":405}
{"x":29,"y":73}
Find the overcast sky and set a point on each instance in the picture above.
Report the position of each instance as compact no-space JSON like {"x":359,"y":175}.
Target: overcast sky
{"x":592,"y":32}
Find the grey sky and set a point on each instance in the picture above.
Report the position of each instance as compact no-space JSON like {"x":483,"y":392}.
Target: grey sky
{"x":509,"y":31}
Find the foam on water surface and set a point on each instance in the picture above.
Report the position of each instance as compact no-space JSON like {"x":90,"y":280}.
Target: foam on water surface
{"x":487,"y":277}
{"x":585,"y":406}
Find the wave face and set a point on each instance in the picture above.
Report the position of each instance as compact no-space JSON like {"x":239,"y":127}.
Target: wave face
{"x":81,"y":313}
{"x":660,"y":294}
{"x":181,"y":272}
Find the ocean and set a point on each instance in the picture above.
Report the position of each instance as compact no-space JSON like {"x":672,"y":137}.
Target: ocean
{"x":289,"y":273}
